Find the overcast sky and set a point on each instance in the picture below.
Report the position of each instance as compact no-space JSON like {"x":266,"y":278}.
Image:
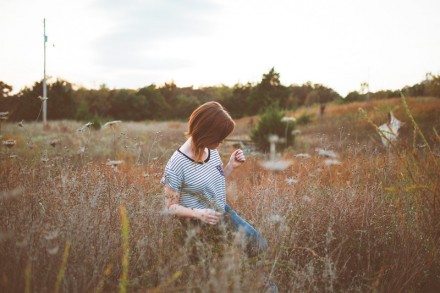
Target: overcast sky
{"x":134,"y":43}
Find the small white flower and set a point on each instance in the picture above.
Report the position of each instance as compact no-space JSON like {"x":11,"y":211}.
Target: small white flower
{"x":276,"y":218}
{"x":114,"y":163}
{"x":85,"y":126}
{"x":288,"y":119}
{"x":326,"y":153}
{"x":112,"y":123}
{"x":9,"y":143}
{"x":389,"y":131}
{"x":330,"y":162}
{"x":54,"y":142}
{"x":303,"y":156}
{"x":273,"y":138}
{"x":4,"y":115}
{"x":53,"y":250}
{"x":291,"y":181}
{"x":278,"y":165}
{"x":52,"y":235}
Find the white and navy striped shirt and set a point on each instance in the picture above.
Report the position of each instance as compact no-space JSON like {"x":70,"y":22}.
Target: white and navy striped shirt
{"x":200,"y":185}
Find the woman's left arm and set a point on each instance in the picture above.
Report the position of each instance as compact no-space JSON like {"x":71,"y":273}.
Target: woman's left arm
{"x":236,"y":160}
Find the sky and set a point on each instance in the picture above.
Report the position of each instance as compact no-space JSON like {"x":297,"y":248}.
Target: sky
{"x":134,"y":43}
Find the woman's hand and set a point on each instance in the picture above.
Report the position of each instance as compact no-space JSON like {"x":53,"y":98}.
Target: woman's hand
{"x":207,"y":216}
{"x":237,"y":158}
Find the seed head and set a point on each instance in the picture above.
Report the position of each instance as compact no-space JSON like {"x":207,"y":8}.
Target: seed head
{"x":55,"y":142}
{"x":9,"y":143}
{"x":114,"y":163}
{"x":85,"y":126}
{"x":326,"y":153}
{"x":4,"y":115}
{"x":288,"y":119}
{"x":112,"y":123}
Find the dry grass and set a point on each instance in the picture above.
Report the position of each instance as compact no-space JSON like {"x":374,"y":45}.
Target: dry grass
{"x":369,"y":224}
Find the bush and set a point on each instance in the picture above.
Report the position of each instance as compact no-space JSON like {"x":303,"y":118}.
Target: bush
{"x":271,"y":123}
{"x":304,"y":119}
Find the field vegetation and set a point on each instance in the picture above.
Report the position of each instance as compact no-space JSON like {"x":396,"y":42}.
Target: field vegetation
{"x":82,"y":210}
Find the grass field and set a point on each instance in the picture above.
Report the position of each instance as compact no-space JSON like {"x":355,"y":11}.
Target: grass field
{"x":73,"y":221}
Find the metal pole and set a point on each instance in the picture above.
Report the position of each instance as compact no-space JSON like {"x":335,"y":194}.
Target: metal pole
{"x":44,"y":79}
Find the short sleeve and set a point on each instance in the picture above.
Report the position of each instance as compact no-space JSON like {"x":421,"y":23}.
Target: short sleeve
{"x":172,"y":179}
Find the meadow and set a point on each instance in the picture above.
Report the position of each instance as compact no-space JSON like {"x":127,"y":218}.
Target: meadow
{"x":82,"y":210}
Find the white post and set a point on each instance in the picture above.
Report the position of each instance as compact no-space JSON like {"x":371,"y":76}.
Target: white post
{"x":44,"y":79}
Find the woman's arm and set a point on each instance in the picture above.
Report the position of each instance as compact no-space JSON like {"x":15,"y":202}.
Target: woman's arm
{"x":208,"y":216}
{"x":236,"y":160}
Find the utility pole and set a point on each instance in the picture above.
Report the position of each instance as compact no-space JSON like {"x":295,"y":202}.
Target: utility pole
{"x":44,"y":79}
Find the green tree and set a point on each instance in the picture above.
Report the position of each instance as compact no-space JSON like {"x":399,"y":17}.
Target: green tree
{"x":272,"y":123}
{"x":268,"y":92}
{"x":434,"y":86}
{"x":155,"y":107}
{"x":237,"y":102}
{"x":60,"y":103}
{"x":353,"y":96}
{"x":322,"y":95}
{"x":5,"y":90}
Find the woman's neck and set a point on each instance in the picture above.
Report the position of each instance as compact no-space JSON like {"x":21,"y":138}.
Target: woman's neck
{"x":186,"y":148}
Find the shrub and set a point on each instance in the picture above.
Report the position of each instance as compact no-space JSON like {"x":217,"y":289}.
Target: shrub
{"x":304,"y":119}
{"x":271,"y":123}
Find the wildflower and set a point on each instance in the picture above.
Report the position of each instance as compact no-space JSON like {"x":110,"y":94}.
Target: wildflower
{"x":291,"y":181}
{"x":9,"y":143}
{"x":114,"y":163}
{"x":276,"y":218}
{"x":288,"y":119}
{"x":53,"y":250}
{"x":54,"y":142}
{"x":303,"y":156}
{"x":41,"y":98}
{"x":112,"y":123}
{"x":306,"y":198}
{"x":276,"y":165}
{"x":21,"y":123}
{"x":389,"y":131}
{"x":4,"y":115}
{"x":82,"y":150}
{"x":273,"y":138}
{"x":330,"y":162}
{"x":52,"y":235}
{"x":326,"y":153}
{"x":85,"y":126}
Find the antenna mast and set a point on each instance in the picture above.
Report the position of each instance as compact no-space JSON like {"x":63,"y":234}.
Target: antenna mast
{"x":44,"y":79}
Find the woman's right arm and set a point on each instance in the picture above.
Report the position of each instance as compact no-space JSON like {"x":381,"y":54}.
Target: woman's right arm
{"x":208,"y":216}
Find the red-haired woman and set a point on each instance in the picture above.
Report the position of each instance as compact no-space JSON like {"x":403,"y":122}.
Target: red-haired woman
{"x":194,"y":177}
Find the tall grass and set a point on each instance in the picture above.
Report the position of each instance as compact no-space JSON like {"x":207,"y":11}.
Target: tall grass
{"x":369,"y":224}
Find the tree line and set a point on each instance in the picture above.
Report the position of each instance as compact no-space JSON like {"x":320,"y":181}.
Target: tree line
{"x":169,"y":102}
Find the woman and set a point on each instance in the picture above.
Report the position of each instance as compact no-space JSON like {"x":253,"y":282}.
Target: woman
{"x":194,"y":177}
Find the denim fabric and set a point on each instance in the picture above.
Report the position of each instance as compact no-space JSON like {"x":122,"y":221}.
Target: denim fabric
{"x":255,"y":242}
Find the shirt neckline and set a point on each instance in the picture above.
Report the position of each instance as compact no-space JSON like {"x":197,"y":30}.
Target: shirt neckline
{"x":206,"y":161}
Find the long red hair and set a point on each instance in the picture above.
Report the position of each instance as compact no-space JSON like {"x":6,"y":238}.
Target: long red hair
{"x":209,"y":124}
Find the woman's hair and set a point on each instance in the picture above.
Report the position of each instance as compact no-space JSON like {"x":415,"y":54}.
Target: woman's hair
{"x":209,"y":124}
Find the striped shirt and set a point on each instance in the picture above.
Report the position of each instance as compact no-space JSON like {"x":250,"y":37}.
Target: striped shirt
{"x":200,"y":185}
